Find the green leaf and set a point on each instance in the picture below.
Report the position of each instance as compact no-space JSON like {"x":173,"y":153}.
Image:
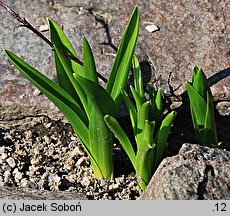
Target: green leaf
{"x":148,"y":132}
{"x":210,"y":135}
{"x":122,"y":137}
{"x":119,"y":73}
{"x":100,"y":136}
{"x":144,"y":166}
{"x":99,"y":97}
{"x":60,"y":40}
{"x":198,"y":106}
{"x":138,"y":100}
{"x":142,"y":116}
{"x":56,"y":94}
{"x":89,"y":63}
{"x":151,"y":93}
{"x":162,"y":136}
{"x":194,"y":73}
{"x":131,"y":109}
{"x":159,"y":111}
{"x":200,"y":83}
{"x":138,"y":83}
{"x":201,"y":105}
{"x":155,"y":111}
{"x":101,"y":145}
{"x":63,"y":79}
{"x":79,"y":90}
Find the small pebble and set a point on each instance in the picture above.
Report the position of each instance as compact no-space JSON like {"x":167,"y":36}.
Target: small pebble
{"x":7,"y":174}
{"x":85,"y":181}
{"x":36,"y":160}
{"x":18,"y":176}
{"x":37,"y":92}
{"x":2,"y":150}
{"x":82,"y":161}
{"x":152,"y":28}
{"x":43,"y":28}
{"x":4,"y":156}
{"x":11,"y":162}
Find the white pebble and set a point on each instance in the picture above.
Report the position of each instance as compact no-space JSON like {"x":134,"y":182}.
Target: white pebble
{"x":35,"y":161}
{"x":76,"y":152}
{"x":81,"y":161}
{"x":11,"y":162}
{"x":37,"y":92}
{"x":46,"y":139}
{"x":114,"y":186}
{"x":18,"y":176}
{"x":7,"y":174}
{"x":2,"y":150}
{"x":85,"y":181}
{"x":53,"y":177}
{"x":43,"y":28}
{"x":4,"y":156}
{"x":152,"y":28}
{"x":24,"y":182}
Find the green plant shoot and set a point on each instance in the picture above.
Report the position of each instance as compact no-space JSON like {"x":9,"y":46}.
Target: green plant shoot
{"x":80,"y":97}
{"x":150,"y":128}
{"x":201,"y":107}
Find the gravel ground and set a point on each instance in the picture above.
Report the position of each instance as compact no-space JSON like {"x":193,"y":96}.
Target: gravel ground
{"x":39,"y":153}
{"x":48,"y":156}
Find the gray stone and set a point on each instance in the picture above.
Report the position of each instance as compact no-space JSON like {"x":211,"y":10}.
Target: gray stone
{"x":15,"y":193}
{"x":190,"y":33}
{"x":196,"y":173}
{"x":11,"y":162}
{"x":223,"y":108}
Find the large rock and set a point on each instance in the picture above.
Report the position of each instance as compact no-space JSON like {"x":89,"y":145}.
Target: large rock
{"x":190,"y":33}
{"x":196,"y":173}
{"x":14,"y":193}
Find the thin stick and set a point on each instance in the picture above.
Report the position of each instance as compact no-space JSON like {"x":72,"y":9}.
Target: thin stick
{"x":26,"y":24}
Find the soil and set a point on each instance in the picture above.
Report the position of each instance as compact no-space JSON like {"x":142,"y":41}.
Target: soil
{"x":41,"y":153}
{"x":48,"y":156}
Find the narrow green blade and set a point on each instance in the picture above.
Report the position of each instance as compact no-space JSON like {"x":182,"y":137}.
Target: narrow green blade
{"x":155,"y":111}
{"x":159,"y":111}
{"x":100,"y":136}
{"x":99,"y":97}
{"x":148,"y":131}
{"x":142,"y":116}
{"x":119,"y":73}
{"x":138,"y":83}
{"x":79,"y":90}
{"x":131,"y":109}
{"x":200,"y":84}
{"x":56,"y":94}
{"x":145,"y":155}
{"x":101,"y":144}
{"x":151,"y":92}
{"x":198,"y":106}
{"x":63,"y":79}
{"x":89,"y":63}
{"x":122,"y":137}
{"x":162,"y":136}
{"x":210,"y":134}
{"x":60,"y":40}
{"x":194,"y":73}
{"x":144,"y":166}
{"x":138,"y":100}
